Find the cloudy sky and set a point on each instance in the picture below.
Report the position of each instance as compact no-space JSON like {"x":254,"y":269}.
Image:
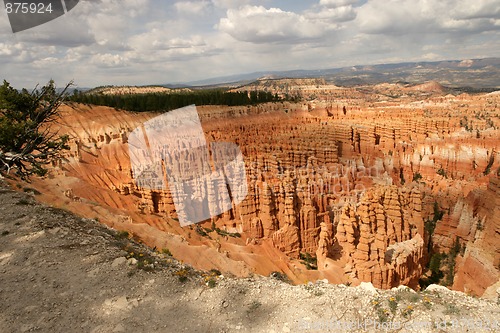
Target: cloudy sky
{"x":152,"y":41}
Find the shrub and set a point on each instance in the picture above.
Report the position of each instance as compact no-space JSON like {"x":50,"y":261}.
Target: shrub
{"x":393,"y":304}
{"x":279,"y":276}
{"x":383,"y":315}
{"x":211,"y":283}
{"x":31,"y":190}
{"x":451,"y":309}
{"x":490,"y":164}
{"x":182,"y":275}
{"x":407,"y":312}
{"x":200,"y":231}
{"x":308,"y":260}
{"x":442,"y":172}
{"x":254,"y":306}
{"x":122,"y":234}
{"x":23,"y":201}
{"x":417,"y":176}
{"x":166,"y":252}
{"x":26,"y":140}
{"x":435,"y":263}
{"x":480,"y":226}
{"x":225,"y":233}
{"x":427,"y":302}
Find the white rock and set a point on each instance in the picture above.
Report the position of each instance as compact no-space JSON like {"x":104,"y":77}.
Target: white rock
{"x":119,"y":261}
{"x":437,"y":288}
{"x":403,"y":288}
{"x":368,"y":286}
{"x":121,"y":303}
{"x":119,"y":328}
{"x":492,"y":292}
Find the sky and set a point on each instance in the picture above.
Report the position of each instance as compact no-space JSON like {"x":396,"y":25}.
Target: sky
{"x":140,"y":42}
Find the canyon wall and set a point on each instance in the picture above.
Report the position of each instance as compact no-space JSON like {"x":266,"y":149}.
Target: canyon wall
{"x":349,"y":177}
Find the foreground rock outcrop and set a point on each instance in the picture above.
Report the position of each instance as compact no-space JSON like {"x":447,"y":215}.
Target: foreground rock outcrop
{"x":61,"y":273}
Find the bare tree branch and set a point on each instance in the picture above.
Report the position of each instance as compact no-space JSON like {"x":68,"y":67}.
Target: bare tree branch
{"x":27,"y":141}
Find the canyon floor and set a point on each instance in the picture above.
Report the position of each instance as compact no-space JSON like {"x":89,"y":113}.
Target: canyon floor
{"x":64,"y":273}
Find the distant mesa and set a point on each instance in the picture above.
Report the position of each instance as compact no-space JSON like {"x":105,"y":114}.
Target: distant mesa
{"x":477,"y":73}
{"x":130,"y":90}
{"x":466,"y":63}
{"x":432,"y":86}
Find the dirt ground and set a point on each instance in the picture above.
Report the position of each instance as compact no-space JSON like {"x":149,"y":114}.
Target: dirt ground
{"x":63,"y":273}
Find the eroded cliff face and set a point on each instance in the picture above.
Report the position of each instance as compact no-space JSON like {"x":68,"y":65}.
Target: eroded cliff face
{"x":349,"y":179}
{"x":382,"y":237}
{"x":475,"y":222}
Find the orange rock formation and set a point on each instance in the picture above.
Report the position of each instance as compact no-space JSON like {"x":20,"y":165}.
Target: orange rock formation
{"x":349,"y":177}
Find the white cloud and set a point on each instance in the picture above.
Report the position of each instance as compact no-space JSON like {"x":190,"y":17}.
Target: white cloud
{"x":400,"y":17}
{"x":257,"y":24}
{"x":7,"y":49}
{"x":334,"y":14}
{"x":108,"y":60}
{"x":466,"y":9}
{"x":192,"y":7}
{"x":337,"y":3}
{"x":154,"y":41}
{"x":44,"y":62}
{"x":226,"y":4}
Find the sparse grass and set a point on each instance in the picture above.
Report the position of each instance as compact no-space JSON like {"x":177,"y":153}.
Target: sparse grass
{"x":225,"y":233}
{"x":417,"y":176}
{"x":427,"y":303}
{"x":23,"y":201}
{"x":254,"y":306}
{"x":279,"y":276}
{"x":145,"y":261}
{"x":182,"y":274}
{"x":122,"y":234}
{"x":383,"y":315}
{"x":407,"y":311}
{"x":414,"y":298}
{"x":442,"y":172}
{"x":145,"y":265}
{"x":201,"y":231}
{"x":166,"y":252}
{"x":309,"y":261}
{"x":480,"y":226}
{"x":451,"y":309}
{"x":211,"y":277}
{"x":313,"y":290}
{"x":376,"y":303}
{"x":490,"y":164}
{"x":211,"y":283}
{"x":407,"y":296}
{"x":31,"y":190}
{"x":393,"y":304}
{"x":204,"y":232}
